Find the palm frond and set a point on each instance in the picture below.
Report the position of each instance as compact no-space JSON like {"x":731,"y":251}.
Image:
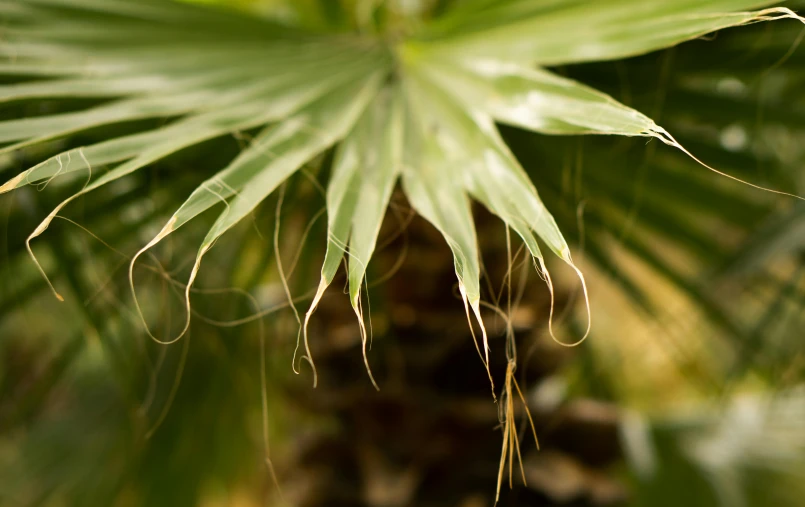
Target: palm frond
{"x":446,"y":98}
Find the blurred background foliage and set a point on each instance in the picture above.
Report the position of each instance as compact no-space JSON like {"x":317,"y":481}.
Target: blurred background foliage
{"x":689,"y":391}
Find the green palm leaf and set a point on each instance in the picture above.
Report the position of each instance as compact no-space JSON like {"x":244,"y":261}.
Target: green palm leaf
{"x":416,"y":95}
{"x":559,"y":32}
{"x":163,"y":76}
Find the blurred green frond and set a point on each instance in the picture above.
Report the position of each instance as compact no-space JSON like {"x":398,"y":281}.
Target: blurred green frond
{"x":146,"y":116}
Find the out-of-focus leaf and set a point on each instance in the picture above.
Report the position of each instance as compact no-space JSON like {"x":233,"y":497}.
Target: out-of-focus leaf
{"x":559,"y":32}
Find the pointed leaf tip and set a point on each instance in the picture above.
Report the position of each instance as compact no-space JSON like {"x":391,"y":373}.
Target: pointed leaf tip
{"x":12,"y":183}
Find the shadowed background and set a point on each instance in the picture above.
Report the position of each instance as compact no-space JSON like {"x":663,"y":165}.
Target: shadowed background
{"x":687,"y":392}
